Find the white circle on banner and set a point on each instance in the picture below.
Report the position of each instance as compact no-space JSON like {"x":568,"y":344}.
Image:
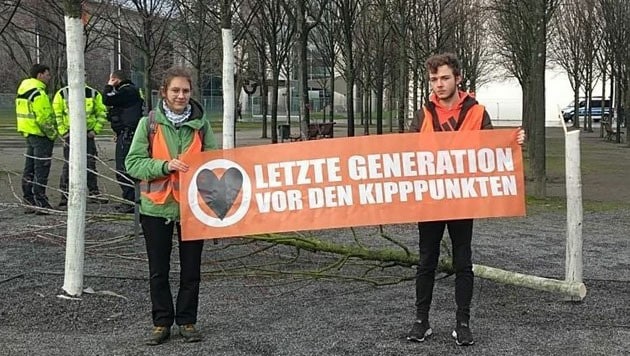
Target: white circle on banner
{"x":193,"y":197}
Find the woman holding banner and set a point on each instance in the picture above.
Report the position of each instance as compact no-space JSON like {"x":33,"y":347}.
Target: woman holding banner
{"x":448,"y":109}
{"x":176,"y":127}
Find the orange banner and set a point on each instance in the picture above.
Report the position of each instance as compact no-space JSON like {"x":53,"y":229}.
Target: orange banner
{"x":356,"y":181}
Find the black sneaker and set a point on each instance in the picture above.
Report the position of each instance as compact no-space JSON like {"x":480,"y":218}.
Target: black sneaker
{"x":159,"y":334}
{"x":419,"y":331}
{"x":462,"y":334}
{"x":189,"y":333}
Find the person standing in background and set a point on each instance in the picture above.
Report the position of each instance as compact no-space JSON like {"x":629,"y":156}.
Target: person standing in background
{"x":125,"y":110}
{"x":95,"y":116}
{"x":36,"y":122}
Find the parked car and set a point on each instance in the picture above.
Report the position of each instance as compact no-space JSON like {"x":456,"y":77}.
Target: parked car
{"x":597,"y":112}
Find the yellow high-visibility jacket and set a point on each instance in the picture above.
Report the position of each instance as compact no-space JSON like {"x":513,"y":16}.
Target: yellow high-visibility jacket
{"x":33,"y":110}
{"x":95,"y":110}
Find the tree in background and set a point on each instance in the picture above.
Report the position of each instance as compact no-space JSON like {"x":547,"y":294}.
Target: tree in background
{"x":521,"y":29}
{"x":306,"y":15}
{"x":617,"y":38}
{"x":589,"y":29}
{"x":198,"y":30}
{"x":374,"y":46}
{"x":36,"y":34}
{"x":470,"y":38}
{"x":147,"y":27}
{"x":430,"y":33}
{"x":565,"y":49}
{"x":272,"y":34}
{"x":325,"y":38}
{"x":400,"y":18}
{"x":347,"y":12}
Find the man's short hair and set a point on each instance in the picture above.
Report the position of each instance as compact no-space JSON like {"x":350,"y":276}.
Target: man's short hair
{"x":120,"y":74}
{"x":38,"y":69}
{"x":437,"y":60}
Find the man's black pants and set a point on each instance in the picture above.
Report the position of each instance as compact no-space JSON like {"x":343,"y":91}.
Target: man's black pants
{"x":36,"y":170}
{"x":158,"y":235}
{"x":431,"y":234}
{"x":126,"y":182}
{"x":92,"y":181}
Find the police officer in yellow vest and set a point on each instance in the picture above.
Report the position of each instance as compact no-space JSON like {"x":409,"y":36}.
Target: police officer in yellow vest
{"x":36,"y":122}
{"x":96,"y":117}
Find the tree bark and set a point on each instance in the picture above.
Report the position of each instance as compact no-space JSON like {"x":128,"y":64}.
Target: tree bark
{"x":573,"y":262}
{"x":407,"y":259}
{"x":75,"y":235}
{"x":229,"y":107}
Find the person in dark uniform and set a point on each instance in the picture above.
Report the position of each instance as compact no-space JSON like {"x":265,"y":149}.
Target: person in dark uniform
{"x":125,"y":110}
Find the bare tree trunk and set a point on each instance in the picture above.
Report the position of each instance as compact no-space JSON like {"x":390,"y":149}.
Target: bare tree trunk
{"x":403,"y":88}
{"x":274,"y":107}
{"x":146,"y":88}
{"x":332,"y":89}
{"x":380,"y":92}
{"x":305,"y":106}
{"x":75,"y":235}
{"x":622,"y":112}
{"x":229,"y":107}
{"x":264,"y":97}
{"x":576,"y":101}
{"x":604,"y":116}
{"x":573,"y":255}
{"x":538,"y":118}
{"x":350,"y":96}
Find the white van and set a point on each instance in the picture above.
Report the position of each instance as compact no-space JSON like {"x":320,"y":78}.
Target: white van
{"x":597,"y":112}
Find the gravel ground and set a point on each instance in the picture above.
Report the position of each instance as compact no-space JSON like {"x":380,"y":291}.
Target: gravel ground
{"x":251,"y":305}
{"x":243,"y":312}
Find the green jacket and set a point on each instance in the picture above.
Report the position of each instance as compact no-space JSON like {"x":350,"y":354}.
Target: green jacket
{"x":141,"y":166}
{"x":33,"y":110}
{"x":95,"y":110}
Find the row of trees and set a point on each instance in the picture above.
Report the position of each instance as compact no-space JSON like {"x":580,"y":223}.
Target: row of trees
{"x":377,"y":46}
{"x":591,"y":44}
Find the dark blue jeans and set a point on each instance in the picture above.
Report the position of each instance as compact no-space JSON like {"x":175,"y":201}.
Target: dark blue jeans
{"x":36,"y":170}
{"x":158,"y":235}
{"x":431,"y":234}
{"x":92,"y":181}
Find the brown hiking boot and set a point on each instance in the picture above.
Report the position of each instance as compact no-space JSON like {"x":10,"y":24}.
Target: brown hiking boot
{"x":159,"y":334}
{"x":189,"y":333}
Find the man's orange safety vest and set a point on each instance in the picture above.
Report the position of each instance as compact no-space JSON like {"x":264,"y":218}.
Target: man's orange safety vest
{"x":157,"y":190}
{"x":472,"y":121}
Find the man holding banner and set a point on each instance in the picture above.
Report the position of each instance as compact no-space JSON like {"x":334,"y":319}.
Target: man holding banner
{"x":448,"y":109}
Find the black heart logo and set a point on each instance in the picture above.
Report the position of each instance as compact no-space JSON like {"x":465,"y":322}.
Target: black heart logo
{"x":220,"y":194}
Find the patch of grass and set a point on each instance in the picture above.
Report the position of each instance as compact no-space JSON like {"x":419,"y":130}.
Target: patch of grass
{"x":560,"y":204}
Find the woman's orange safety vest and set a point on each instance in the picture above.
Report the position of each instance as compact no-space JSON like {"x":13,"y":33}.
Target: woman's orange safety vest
{"x":472,"y":121}
{"x":157,"y":190}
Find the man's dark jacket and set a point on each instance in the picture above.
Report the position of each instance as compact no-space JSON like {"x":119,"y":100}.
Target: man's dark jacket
{"x":125,"y":105}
